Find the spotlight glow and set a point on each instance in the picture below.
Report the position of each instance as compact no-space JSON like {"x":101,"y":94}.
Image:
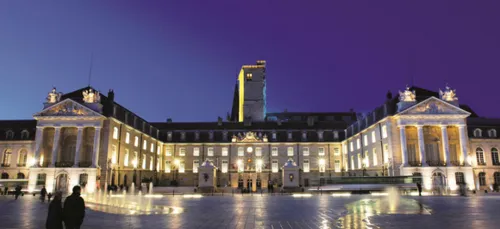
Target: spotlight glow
{"x":341,"y":194}
{"x":192,"y":196}
{"x":301,"y":194}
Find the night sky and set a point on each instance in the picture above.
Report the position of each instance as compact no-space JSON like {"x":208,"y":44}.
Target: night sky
{"x":180,"y":59}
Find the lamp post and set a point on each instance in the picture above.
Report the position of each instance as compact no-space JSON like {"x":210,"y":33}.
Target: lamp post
{"x":134,"y":163}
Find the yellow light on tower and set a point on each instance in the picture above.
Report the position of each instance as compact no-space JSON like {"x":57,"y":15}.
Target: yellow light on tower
{"x":259,"y":164}
{"x":177,"y":162}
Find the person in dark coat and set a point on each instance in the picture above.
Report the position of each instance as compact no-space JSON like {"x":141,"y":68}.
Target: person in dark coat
{"x":43,"y":193}
{"x":74,"y":209}
{"x":55,"y":216}
{"x":17,"y":191}
{"x":419,"y":187}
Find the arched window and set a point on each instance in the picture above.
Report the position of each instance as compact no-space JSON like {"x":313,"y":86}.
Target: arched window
{"x":23,"y":158}
{"x":5,"y":175}
{"x":40,"y":179}
{"x":478,"y":133}
{"x":496,"y":177}
{"x":459,"y":178}
{"x":494,"y":156}
{"x":25,"y":135}
{"x":20,"y":176}
{"x":83,"y":179}
{"x":9,"y":135}
{"x":480,"y":156}
{"x":482,"y":179}
{"x":6,"y":158}
{"x":492,"y":133}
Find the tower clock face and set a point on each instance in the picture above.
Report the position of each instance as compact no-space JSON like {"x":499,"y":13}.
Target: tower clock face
{"x":249,"y":149}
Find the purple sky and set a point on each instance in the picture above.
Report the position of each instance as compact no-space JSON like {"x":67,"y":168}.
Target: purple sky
{"x":180,"y":60}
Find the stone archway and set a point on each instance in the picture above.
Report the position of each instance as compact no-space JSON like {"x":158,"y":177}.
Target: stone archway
{"x":62,"y":182}
{"x":438,"y":182}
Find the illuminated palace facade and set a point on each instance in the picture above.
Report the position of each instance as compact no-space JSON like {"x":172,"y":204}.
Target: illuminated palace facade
{"x":87,"y":138}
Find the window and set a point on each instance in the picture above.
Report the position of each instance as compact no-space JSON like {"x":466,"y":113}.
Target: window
{"x":152,"y":148}
{"x":113,"y":154}
{"x":241,"y":152}
{"x":158,"y":163}
{"x":241,"y":166}
{"x":25,"y":134}
{"x":459,"y":178}
{"x":321,"y":151}
{"x":158,"y":150}
{"x":384,"y":131}
{"x":127,"y":138}
{"x":168,"y":152}
{"x":224,"y":151}
{"x":494,"y":156}
{"x":289,"y":151}
{"x":23,"y":158}
{"x":352,"y":162}
{"x":375,"y":159}
{"x":366,"y":159}
{"x":492,"y":133}
{"x":151,"y":161}
{"x":125,"y":158}
{"x":6,"y":157}
{"x":274,"y":151}
{"x":322,"y":165}
{"x":115,"y":132}
{"x":337,"y":166}
{"x":304,"y":136}
{"x":210,"y":152}
{"x":143,"y":162}
{"x":134,"y":162}
{"x":136,"y":141}
{"x":306,"y":165}
{"x":320,"y":135}
{"x":169,"y":136}
{"x":365,"y":140}
{"x":196,"y":151}
{"x":335,"y":135}
{"x":496,"y":178}
{"x":358,"y":143}
{"x":480,"y":156}
{"x":144,"y":144}
{"x":182,"y":151}
{"x":167,"y":166}
{"x":289,"y":135}
{"x":196,"y":164}
{"x":181,"y":167}
{"x":373,"y":137}
{"x":258,"y":165}
{"x":249,"y":76}
{"x":224,"y":166}
{"x":183,"y":136}
{"x":305,"y":151}
{"x":258,"y":151}
{"x":359,"y":161}
{"x":478,"y":133}
{"x":211,"y":135}
{"x":274,"y":166}
{"x":274,"y":136}
{"x":351,"y":146}
{"x":386,"y":153}
{"x":482,"y":179}
{"x":336,"y":151}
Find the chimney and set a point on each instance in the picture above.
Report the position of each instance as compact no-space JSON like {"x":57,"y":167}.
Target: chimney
{"x":219,"y":121}
{"x":389,"y":95}
{"x":310,"y":121}
{"x":111,"y":95}
{"x":169,"y":120}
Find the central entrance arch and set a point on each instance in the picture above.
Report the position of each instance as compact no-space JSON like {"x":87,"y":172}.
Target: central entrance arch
{"x":62,"y":183}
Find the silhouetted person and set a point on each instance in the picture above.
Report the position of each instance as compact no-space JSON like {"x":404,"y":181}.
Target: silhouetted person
{"x":6,"y":190}
{"x":419,"y":187}
{"x":17,"y":191}
{"x":43,"y":193}
{"x":55,"y":216}
{"x":74,"y":209}
{"x":49,"y":196}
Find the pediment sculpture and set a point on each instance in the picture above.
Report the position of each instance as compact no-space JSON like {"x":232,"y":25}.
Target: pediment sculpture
{"x":248,"y":137}
{"x":448,"y":94}
{"x":54,"y":96}
{"x":91,"y":96}
{"x":433,"y":107}
{"x":67,"y":108}
{"x":407,"y":95}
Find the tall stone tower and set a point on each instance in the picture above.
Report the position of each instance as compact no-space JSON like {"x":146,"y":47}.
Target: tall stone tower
{"x":251,"y":101}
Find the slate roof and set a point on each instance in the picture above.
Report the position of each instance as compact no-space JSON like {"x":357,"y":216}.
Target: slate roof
{"x":17,"y":127}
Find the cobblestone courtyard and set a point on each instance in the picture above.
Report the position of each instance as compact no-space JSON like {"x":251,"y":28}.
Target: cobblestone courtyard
{"x":277,"y":212}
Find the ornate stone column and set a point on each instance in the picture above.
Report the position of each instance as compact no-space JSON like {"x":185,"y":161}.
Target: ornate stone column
{"x":55,"y":146}
{"x":78,"y":146}
{"x":463,"y":143}
{"x":446,"y":147}
{"x":95,"y":151}
{"x":38,"y":144}
{"x":402,"y":135}
{"x":421,"y":144}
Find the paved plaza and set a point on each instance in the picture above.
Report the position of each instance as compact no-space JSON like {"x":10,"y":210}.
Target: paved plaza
{"x":325,"y":211}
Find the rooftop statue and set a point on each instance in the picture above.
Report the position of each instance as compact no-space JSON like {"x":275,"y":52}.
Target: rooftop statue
{"x":407,"y":95}
{"x":54,"y":96}
{"x":89,"y":96}
{"x":448,"y":94}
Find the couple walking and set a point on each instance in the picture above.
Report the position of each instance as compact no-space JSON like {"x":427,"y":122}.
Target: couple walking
{"x":72,"y":214}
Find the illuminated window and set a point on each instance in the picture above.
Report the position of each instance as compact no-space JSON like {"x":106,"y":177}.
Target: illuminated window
{"x":249,"y":76}
{"x":151,"y":161}
{"x":136,"y":141}
{"x":321,"y":151}
{"x":375,"y":159}
{"x":168,"y":152}
{"x":337,"y":166}
{"x":144,"y":144}
{"x":258,"y":151}
{"x":322,"y":165}
{"x":210,"y":152}
{"x":241,"y":152}
{"x":365,"y":140}
{"x":373,"y":137}
{"x":492,"y":133}
{"x":289,"y":135}
{"x":143,"y":162}
{"x":6,"y":157}
{"x":182,"y":151}
{"x":366,"y":159}
{"x":167,"y":166}
{"x":494,"y":156}
{"x":352,"y":162}
{"x":258,"y":165}
{"x":274,"y":166}
{"x":115,"y":132}
{"x":274,"y":151}
{"x":158,"y":163}
{"x":480,"y":156}
{"x":225,"y":166}
{"x":358,"y":143}
{"x":241,"y":166}
{"x":196,"y":151}
{"x":478,"y":133}
{"x":351,"y":146}
{"x":127,"y":138}
{"x":384,"y":131}
{"x":181,"y":167}
{"x":152,"y":148}
{"x":289,"y":151}
{"x":158,"y":150}
{"x":25,"y":134}
{"x":113,"y":154}
{"x":335,"y":135}
{"x":134,"y":162}
{"x":306,"y":165}
{"x":196,"y":164}
{"x":305,"y":151}
{"x":386,"y":153}
{"x":336,"y":151}
{"x":125,"y":158}
{"x":224,"y":151}
{"x":359,"y":161}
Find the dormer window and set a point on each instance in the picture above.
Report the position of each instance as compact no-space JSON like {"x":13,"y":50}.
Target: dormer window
{"x":274,"y":135}
{"x":114,"y":110}
{"x":9,"y":135}
{"x":183,"y":136}
{"x":478,"y":133}
{"x":492,"y":133}
{"x":211,"y":136}
{"x":25,"y":134}
{"x":304,"y":136}
{"x":197,"y":136}
{"x":289,"y":136}
{"x":224,"y":136}
{"x":320,"y":135}
{"x":169,"y":136}
{"x":335,"y":135}
{"x":249,"y":76}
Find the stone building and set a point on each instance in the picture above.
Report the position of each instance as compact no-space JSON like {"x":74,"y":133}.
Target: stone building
{"x":87,"y":138}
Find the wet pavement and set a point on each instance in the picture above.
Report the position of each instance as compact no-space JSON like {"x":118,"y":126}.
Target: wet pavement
{"x":324,"y":211}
